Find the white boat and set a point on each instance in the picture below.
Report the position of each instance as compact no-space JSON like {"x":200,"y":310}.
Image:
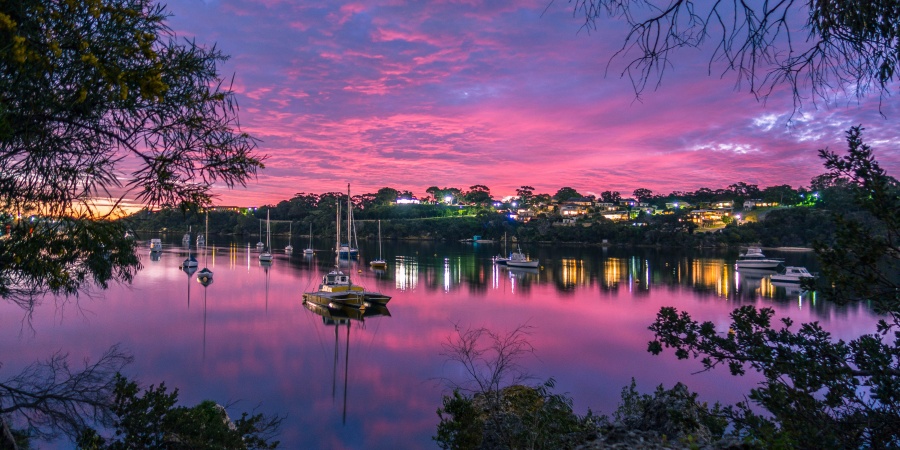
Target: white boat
{"x":266,"y":255}
{"x":348,"y":250}
{"x":155,"y":245}
{"x":204,"y":275}
{"x":379,"y":263}
{"x":189,"y":263}
{"x":186,"y":239}
{"x":519,"y":259}
{"x":755,"y":259}
{"x":260,"y":246}
{"x":290,"y":248}
{"x":309,"y":250}
{"x":201,"y":240}
{"x":500,"y":259}
{"x":792,"y":275}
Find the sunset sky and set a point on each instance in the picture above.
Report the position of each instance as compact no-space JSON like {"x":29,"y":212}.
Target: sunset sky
{"x":500,"y":93}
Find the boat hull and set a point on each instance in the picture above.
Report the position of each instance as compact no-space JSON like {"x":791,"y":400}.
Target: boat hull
{"x":352,"y":299}
{"x":524,"y":264}
{"x":769,"y":264}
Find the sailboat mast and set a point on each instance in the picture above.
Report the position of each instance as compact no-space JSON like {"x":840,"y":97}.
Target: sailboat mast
{"x":348,"y":221}
{"x":379,"y":239}
{"x":337,"y":234}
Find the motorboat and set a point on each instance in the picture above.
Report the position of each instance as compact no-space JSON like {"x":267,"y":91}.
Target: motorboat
{"x":519,"y":259}
{"x":754,"y":258}
{"x":792,"y":275}
{"x":186,"y":239}
{"x":155,"y":245}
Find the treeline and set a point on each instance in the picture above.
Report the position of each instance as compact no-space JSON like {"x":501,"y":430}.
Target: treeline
{"x":797,"y":226}
{"x":788,"y":226}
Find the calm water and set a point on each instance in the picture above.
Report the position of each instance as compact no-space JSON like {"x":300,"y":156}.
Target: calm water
{"x":247,"y":338}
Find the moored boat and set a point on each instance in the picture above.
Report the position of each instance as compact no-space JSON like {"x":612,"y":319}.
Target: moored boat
{"x":155,"y":245}
{"x":266,"y":255}
{"x":519,"y":259}
{"x":379,"y":263}
{"x":754,"y":258}
{"x":792,"y":275}
{"x":338,"y":290}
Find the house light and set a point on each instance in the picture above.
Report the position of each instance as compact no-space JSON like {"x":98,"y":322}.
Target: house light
{"x":448,"y":199}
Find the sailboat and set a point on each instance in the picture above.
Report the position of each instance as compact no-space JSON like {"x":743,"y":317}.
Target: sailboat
{"x":379,"y":263}
{"x":204,"y":276}
{"x":337,"y":290}
{"x":266,"y":256}
{"x":500,"y":259}
{"x":260,"y":246}
{"x":190,"y":262}
{"x":309,"y":250}
{"x":290,"y":248}
{"x":348,"y":250}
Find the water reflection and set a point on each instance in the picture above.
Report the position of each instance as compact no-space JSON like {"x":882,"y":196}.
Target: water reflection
{"x":353,"y":388}
{"x":337,"y":316}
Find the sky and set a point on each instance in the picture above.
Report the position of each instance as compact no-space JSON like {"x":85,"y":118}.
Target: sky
{"x":413,"y":94}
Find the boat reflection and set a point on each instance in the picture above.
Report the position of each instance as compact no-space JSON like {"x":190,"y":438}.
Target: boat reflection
{"x":205,"y":282}
{"x":336,"y":316}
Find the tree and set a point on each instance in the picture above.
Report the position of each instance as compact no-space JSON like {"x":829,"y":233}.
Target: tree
{"x":479,"y":194}
{"x":610,"y":196}
{"x":783,"y":195}
{"x":642,"y":194}
{"x":819,"y":391}
{"x":386,"y":196}
{"x":566,"y":193}
{"x":49,"y":398}
{"x":153,"y":419}
{"x":91,"y":91}
{"x":491,"y":408}
{"x":525,"y":193}
{"x":849,"y":45}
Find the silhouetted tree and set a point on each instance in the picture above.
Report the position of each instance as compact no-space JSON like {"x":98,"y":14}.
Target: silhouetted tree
{"x":849,"y":45}
{"x":90,"y":91}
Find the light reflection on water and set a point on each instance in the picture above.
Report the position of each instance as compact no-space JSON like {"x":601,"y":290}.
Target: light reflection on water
{"x":370,"y":382}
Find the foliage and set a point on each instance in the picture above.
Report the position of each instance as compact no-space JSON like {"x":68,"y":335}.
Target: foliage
{"x":674,"y":413}
{"x":491,"y":408}
{"x":565,"y":193}
{"x":850,"y":45}
{"x":91,"y":91}
{"x":152,"y":419}
{"x":817,"y":391}
{"x":863,"y":263}
{"x":50,"y":398}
